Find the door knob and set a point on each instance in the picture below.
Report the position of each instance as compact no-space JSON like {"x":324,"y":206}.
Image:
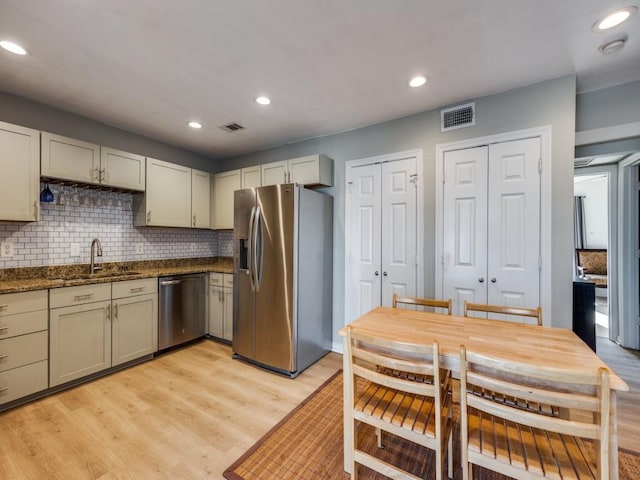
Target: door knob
{"x":377,"y":273}
{"x":384,"y":273}
{"x":493,"y":280}
{"x":481,"y":279}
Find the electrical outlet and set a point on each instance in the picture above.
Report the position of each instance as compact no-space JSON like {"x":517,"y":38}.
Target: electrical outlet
{"x":6,"y":249}
{"x":193,"y":247}
{"x":75,"y":249}
{"x":139,"y":247}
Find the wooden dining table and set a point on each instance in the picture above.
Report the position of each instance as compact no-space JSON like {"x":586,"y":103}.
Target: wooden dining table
{"x":517,"y":342}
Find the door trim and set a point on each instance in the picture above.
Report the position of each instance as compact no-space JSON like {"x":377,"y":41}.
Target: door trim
{"x":391,"y":157}
{"x":542,"y":132}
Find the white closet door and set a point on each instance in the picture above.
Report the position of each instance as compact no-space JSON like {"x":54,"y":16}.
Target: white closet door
{"x":399,"y":249}
{"x":365,"y":240}
{"x":514,"y":223}
{"x":465,"y":227}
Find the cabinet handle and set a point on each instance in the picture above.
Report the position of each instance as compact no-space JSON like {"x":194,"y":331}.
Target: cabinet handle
{"x":285,"y":176}
{"x":79,"y":298}
{"x":149,"y":216}
{"x":2,"y":357}
{"x":35,"y":210}
{"x":103,"y":175}
{"x":194,"y":220}
{"x":2,"y":307}
{"x":4,"y":329}
{"x":137,"y":289}
{"x":115,"y":310}
{"x":3,"y":389}
{"x":109,"y":312}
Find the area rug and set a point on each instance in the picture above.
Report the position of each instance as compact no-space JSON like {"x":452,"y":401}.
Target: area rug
{"x":307,"y":444}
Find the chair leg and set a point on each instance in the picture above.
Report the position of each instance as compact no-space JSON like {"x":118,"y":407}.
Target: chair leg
{"x":439,"y":462}
{"x":450,"y":456}
{"x":379,"y":437}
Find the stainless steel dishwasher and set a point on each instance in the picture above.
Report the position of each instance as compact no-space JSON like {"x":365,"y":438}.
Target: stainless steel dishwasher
{"x":182,"y":312}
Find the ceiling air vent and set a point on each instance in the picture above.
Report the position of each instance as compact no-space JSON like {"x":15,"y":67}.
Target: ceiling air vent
{"x":458,"y":117}
{"x":232,"y":127}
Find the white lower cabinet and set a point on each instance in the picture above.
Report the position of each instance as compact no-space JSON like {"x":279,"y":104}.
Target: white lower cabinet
{"x":135,"y":320}
{"x":23,"y":344}
{"x":79,"y":341}
{"x":221,"y":305}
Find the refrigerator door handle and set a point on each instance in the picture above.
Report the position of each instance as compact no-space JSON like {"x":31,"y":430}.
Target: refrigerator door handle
{"x":257,"y":250}
{"x":252,"y":218}
{"x":259,"y":247}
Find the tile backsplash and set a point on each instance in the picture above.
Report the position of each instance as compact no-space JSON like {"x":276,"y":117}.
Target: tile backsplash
{"x":78,"y":215}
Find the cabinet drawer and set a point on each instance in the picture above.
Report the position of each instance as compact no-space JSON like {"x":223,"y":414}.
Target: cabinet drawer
{"x":18,"y":351}
{"x":23,"y":381}
{"x":228,"y":280}
{"x":12,"y":303}
{"x":22,"y":323}
{"x":66,"y":296}
{"x":216,"y":278}
{"x":130,"y":288}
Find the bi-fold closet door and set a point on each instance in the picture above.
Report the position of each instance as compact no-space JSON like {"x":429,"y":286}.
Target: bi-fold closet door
{"x":491,"y":224}
{"x":382,"y":198}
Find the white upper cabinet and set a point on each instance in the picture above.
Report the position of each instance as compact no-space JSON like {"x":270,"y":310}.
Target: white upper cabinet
{"x":251,"y":177}
{"x":224,"y":186}
{"x":312,"y":170}
{"x":167,"y":201}
{"x":122,"y":169}
{"x":19,"y":173}
{"x":200,"y":199}
{"x":71,"y":159}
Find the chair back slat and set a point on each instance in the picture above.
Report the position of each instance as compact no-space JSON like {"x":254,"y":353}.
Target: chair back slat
{"x":578,"y":401}
{"x":504,"y":310}
{"x":398,"y":383}
{"x":403,"y":364}
{"x":423,"y":302}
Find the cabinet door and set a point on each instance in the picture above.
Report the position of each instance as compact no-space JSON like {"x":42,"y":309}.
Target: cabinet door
{"x":168,"y":194}
{"x":252,"y":177}
{"x":70,"y":159}
{"x":228,"y":314}
{"x":200,"y":199}
{"x":311,"y":170}
{"x":224,"y":186}
{"x":134,"y":327}
{"x":122,"y":169}
{"x":274,"y":173}
{"x":79,"y":341}
{"x":216,"y":311}
{"x":20,"y":177}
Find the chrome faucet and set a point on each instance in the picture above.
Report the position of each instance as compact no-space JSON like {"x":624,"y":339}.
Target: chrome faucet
{"x":93,"y":268}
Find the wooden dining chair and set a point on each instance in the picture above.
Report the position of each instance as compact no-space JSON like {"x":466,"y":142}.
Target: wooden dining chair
{"x":517,"y":311}
{"x":417,"y":411}
{"x":424,"y":302}
{"x":525,"y":444}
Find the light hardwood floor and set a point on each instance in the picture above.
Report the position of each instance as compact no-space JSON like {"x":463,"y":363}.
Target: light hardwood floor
{"x":185,"y":415}
{"x":188,"y":415}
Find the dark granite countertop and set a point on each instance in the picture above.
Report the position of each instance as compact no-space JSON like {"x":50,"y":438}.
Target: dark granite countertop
{"x":38,"y":278}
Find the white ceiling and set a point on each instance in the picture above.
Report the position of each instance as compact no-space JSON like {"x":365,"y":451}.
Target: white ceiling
{"x":148,"y":66}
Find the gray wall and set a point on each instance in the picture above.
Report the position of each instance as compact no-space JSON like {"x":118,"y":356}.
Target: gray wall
{"x":608,"y":107}
{"x":20,"y":111}
{"x":547,"y":103}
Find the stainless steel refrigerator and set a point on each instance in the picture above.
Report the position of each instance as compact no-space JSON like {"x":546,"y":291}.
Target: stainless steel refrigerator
{"x":283,"y":260}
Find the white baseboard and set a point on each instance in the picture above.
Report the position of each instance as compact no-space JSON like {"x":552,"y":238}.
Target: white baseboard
{"x":336,"y":347}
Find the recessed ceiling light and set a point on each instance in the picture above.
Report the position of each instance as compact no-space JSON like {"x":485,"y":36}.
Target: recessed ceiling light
{"x":194,"y":124}
{"x":263,"y":100}
{"x":613,"y":46}
{"x":12,"y":47}
{"x":417,"y":81}
{"x":614,"y":19}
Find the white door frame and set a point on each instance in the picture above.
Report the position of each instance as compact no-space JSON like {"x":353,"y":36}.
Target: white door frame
{"x":612,"y":239}
{"x":629,"y":334}
{"x":391,"y":157}
{"x":544,"y":133}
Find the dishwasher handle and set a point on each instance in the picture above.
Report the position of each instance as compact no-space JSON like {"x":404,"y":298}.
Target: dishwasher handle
{"x":169,"y":282}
